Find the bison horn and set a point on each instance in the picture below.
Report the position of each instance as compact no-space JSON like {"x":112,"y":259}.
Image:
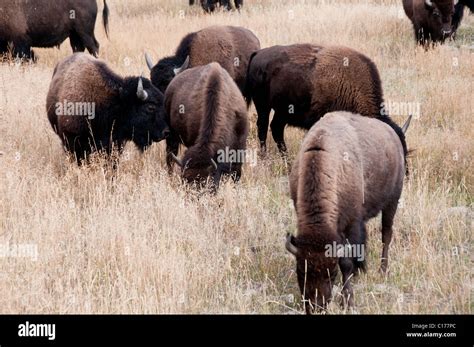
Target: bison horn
{"x":406,"y":125}
{"x":429,"y":3}
{"x":141,"y":92}
{"x":214,"y":164}
{"x":183,"y":67}
{"x":149,"y":61}
{"x":176,"y":160}
{"x":290,"y":246}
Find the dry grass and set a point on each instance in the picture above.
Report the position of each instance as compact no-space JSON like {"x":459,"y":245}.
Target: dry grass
{"x":142,"y":243}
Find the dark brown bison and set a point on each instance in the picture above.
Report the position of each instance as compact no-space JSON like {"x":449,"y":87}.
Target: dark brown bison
{"x":207,"y":113}
{"x":39,"y":23}
{"x":211,"y":5}
{"x":349,"y":168}
{"x":459,"y":12}
{"x":92,"y":108}
{"x":432,"y":19}
{"x":303,"y":82}
{"x":229,"y":46}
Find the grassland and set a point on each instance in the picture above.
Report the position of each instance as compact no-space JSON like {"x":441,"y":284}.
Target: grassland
{"x":143,"y":243}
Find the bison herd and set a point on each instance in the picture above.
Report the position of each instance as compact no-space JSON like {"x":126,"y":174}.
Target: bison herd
{"x":350,"y":166}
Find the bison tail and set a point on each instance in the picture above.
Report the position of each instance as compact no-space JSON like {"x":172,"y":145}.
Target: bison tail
{"x":105,"y":18}
{"x":248,"y":85}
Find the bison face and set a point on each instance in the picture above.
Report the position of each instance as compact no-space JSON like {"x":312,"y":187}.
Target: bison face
{"x":163,"y":73}
{"x":316,"y":274}
{"x":439,"y":21}
{"x":201,"y":173}
{"x":145,"y":116}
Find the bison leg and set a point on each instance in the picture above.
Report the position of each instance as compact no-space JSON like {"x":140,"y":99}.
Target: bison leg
{"x":23,"y":51}
{"x":74,"y":145}
{"x":263,"y":112}
{"x":91,"y":44}
{"x":347,"y":268}
{"x":172,"y":148}
{"x":239,"y":4}
{"x":388,"y":215}
{"x":84,"y":30}
{"x":278,"y":127}
{"x":226,"y":4}
{"x":76,"y":43}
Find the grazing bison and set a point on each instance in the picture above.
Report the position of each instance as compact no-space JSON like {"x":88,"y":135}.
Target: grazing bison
{"x":303,"y":82}
{"x":211,"y":5}
{"x":229,"y":46}
{"x":92,"y":108}
{"x":432,"y":19}
{"x":459,"y":12}
{"x":207,"y":114}
{"x":349,"y":168}
{"x":39,"y":23}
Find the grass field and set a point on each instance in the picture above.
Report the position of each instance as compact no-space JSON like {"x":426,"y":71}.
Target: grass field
{"x":142,"y":243}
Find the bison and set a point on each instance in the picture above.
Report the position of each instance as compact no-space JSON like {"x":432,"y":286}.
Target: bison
{"x":92,"y":108}
{"x":459,"y":12}
{"x":207,"y":113}
{"x":432,"y":19}
{"x":349,"y":168}
{"x":211,"y":5}
{"x":229,"y":46}
{"x":38,"y":23}
{"x":303,"y":82}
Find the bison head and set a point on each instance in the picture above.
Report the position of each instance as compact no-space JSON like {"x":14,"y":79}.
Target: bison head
{"x":440,"y":13}
{"x":316,"y":272}
{"x":144,"y":113}
{"x":199,"y":170}
{"x":165,"y":70}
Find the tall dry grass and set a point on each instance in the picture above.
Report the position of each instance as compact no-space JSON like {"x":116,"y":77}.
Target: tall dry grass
{"x":143,"y":243}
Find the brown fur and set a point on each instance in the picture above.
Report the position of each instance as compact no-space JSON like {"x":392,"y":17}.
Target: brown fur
{"x":222,"y":44}
{"x":430,"y":24}
{"x":349,"y":168}
{"x":119,"y":114}
{"x":40,"y":23}
{"x":313,"y":80}
{"x":214,"y":117}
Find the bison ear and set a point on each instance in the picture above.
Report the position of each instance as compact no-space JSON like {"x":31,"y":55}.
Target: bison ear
{"x":290,"y":244}
{"x":428,"y":4}
{"x":183,"y":67}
